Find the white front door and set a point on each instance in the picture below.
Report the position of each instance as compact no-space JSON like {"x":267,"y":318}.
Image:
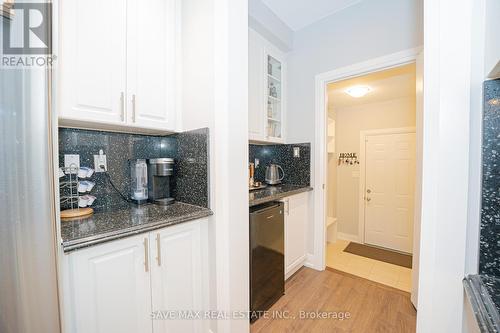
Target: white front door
{"x":389,"y":190}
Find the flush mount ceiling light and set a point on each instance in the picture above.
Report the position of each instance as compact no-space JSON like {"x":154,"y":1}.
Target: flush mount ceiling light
{"x":358,"y":91}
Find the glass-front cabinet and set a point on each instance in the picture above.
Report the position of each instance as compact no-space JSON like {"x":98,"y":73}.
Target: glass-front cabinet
{"x":274,"y":98}
{"x":266,"y":96}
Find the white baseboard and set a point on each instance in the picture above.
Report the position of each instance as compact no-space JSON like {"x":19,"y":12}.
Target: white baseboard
{"x":348,"y":237}
{"x":311,"y":262}
{"x":295,"y":267}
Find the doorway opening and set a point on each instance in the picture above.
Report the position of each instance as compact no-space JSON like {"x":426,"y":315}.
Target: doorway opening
{"x":370,"y":175}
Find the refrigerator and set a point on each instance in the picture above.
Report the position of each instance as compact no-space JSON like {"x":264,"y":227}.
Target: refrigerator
{"x":28,"y":236}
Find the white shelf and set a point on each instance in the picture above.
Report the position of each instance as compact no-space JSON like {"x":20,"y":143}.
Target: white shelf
{"x":331,"y":221}
{"x":274,"y":78}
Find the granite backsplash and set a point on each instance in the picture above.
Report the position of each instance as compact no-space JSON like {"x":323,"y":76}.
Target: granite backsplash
{"x":297,"y":169}
{"x":489,"y":258}
{"x":189,"y":149}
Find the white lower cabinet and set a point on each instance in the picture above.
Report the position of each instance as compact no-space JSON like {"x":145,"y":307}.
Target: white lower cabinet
{"x":118,"y":286}
{"x":176,"y":277}
{"x":296,"y":219}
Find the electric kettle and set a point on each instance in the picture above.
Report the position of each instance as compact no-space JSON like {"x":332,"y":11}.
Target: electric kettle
{"x":272,"y":174}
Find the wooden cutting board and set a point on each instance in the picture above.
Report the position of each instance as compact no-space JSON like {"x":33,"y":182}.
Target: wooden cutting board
{"x":70,"y":214}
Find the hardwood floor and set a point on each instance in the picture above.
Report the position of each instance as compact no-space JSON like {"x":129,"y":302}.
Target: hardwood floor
{"x":371,"y":307}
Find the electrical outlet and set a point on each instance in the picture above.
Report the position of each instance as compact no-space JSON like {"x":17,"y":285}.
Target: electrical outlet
{"x":257,"y":162}
{"x":100,"y":163}
{"x":72,"y":161}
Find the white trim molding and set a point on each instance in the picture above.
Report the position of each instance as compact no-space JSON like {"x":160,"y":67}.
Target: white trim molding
{"x":362,"y":171}
{"x":397,"y":59}
{"x":348,"y":237}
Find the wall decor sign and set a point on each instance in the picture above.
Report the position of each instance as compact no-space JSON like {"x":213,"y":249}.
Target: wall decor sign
{"x":348,"y":159}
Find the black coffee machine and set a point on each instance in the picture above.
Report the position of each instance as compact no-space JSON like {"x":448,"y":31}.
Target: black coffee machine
{"x":159,"y":172}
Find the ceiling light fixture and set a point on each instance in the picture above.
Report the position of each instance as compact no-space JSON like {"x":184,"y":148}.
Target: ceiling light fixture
{"x":358,"y":91}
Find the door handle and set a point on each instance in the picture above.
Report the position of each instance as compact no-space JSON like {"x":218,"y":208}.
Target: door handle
{"x":133,"y":108}
{"x":158,"y":249}
{"x":146,"y":254}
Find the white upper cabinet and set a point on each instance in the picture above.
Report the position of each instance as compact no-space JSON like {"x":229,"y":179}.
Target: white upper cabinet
{"x":151,"y":43}
{"x":118,"y":64}
{"x":256,"y":84}
{"x":266,"y":96}
{"x":92,"y":60}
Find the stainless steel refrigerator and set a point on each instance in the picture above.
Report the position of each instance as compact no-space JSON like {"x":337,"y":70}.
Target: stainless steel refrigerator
{"x":28,"y":255}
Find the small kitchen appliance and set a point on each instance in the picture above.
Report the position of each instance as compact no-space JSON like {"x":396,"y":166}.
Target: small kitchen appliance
{"x":159,"y":172}
{"x":273,"y":175}
{"x":139,"y":184}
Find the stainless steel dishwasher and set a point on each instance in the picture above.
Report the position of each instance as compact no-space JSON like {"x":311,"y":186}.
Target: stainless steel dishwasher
{"x":267,"y":256}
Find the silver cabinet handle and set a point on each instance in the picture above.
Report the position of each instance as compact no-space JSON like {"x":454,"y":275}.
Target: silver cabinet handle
{"x":158,"y":249}
{"x":133,"y":108}
{"x":122,"y":105}
{"x":146,"y":254}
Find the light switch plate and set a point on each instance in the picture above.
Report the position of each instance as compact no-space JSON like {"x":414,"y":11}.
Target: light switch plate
{"x":71,"y":160}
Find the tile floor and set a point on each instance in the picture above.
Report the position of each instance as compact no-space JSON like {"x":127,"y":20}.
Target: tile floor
{"x":374,"y":270}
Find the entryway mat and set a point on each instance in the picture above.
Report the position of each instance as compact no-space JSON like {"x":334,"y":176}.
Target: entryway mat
{"x":376,"y":253}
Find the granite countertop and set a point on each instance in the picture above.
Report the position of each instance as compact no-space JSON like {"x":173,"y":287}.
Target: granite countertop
{"x":109,"y":225}
{"x":271,"y":193}
{"x":484,"y":295}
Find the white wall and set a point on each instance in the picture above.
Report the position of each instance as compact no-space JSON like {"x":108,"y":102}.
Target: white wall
{"x":214,"y":95}
{"x":350,"y":121}
{"x":370,"y":29}
{"x":448,"y":64}
{"x":265,"y":22}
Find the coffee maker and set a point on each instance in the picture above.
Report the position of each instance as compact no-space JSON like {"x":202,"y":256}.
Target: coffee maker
{"x":159,"y":172}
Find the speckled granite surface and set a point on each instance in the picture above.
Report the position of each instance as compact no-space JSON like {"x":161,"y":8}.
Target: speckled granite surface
{"x":483,"y":293}
{"x":191,"y":181}
{"x":489,"y":258}
{"x":272,"y":193}
{"x":109,"y":225}
{"x":189,"y":150}
{"x":297,"y":169}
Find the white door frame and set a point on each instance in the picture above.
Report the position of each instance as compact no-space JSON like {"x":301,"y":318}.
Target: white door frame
{"x":362,"y":170}
{"x":317,"y":259}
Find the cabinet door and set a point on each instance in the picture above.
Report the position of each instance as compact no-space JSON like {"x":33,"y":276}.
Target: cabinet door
{"x":256,"y":84}
{"x":92,"y":60}
{"x":111,"y":287}
{"x":296,"y":219}
{"x":177,"y":277}
{"x":151,"y":73}
{"x":275,"y":96}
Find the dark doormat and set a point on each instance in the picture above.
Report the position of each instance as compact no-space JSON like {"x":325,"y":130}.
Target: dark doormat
{"x":376,"y":253}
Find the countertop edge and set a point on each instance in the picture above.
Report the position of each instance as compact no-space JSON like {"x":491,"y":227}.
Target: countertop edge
{"x":479,"y":304}
{"x":280,"y":195}
{"x":77,"y":244}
